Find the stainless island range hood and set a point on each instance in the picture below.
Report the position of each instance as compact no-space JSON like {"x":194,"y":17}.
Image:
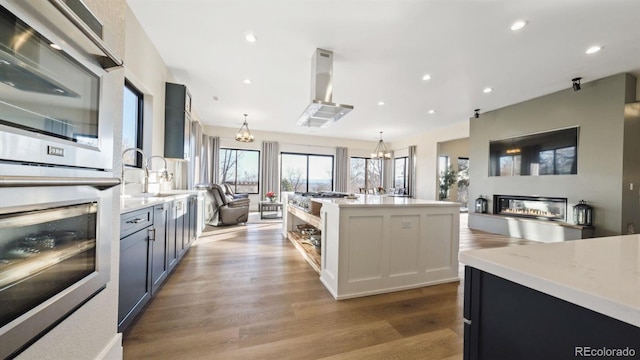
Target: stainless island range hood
{"x":322,"y":112}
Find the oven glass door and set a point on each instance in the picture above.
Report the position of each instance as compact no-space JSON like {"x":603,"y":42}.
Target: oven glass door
{"x":43,"y":252}
{"x":44,"y":90}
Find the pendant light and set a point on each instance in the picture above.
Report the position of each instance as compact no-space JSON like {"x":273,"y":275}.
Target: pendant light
{"x":381,"y":151}
{"x":244,"y":135}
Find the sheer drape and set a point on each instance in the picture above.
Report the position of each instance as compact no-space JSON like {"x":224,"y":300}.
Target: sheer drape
{"x":411,"y":173}
{"x":215,"y":159}
{"x":342,"y":169}
{"x":193,"y":167}
{"x":269,"y":166}
{"x":207,"y":165}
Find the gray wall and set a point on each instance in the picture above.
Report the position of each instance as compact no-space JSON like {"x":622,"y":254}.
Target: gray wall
{"x":598,"y":109}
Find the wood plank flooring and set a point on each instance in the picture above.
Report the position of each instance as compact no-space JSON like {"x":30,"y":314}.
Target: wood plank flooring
{"x":244,"y":292}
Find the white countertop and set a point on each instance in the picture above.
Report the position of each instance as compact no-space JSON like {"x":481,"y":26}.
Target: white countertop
{"x":601,"y":274}
{"x":140,"y":201}
{"x":382,"y":200}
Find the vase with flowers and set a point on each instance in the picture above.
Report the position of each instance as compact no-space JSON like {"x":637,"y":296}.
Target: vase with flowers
{"x":271,"y":196}
{"x":380,"y":190}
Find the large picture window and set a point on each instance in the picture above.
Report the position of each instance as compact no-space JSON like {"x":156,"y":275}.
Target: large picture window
{"x":306,"y":172}
{"x":366,"y":175}
{"x":132,"y":124}
{"x":240,"y":169}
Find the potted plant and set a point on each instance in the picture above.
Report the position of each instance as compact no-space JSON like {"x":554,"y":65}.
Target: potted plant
{"x":380,"y":190}
{"x":271,"y":196}
{"x":448,"y":177}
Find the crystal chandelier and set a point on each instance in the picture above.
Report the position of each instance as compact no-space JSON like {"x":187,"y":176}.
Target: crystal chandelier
{"x":381,"y":151}
{"x":244,"y":135}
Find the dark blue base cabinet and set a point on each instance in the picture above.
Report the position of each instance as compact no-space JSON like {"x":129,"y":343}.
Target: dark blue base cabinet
{"x":506,"y":320}
{"x":152,"y":242}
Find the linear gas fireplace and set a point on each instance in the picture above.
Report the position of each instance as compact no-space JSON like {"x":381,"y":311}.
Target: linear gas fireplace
{"x":536,"y":207}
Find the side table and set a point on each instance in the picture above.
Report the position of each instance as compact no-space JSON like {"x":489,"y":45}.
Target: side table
{"x":270,"y":210}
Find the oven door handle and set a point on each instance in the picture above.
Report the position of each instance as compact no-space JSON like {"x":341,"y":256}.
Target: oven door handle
{"x":25,"y":181}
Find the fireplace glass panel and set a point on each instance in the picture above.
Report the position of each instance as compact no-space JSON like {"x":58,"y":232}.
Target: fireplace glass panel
{"x":43,"y":252}
{"x":530,"y":206}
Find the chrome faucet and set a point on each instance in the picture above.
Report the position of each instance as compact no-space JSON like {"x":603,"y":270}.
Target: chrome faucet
{"x":145,"y":168}
{"x":164,"y":173}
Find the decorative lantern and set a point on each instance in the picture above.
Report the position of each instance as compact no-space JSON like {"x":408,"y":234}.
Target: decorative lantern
{"x":582,"y":214}
{"x":481,"y":205}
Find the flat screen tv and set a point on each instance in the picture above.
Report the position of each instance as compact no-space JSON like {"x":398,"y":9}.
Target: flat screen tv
{"x":547,"y":153}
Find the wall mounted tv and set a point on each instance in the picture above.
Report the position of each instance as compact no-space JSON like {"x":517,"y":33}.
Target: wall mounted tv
{"x":547,"y":153}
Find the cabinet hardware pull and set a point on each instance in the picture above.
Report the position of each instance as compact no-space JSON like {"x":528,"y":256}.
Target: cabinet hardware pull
{"x":152,"y":234}
{"x":135,"y":221}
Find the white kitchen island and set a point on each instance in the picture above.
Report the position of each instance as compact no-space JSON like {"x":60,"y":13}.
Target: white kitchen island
{"x":376,"y":244}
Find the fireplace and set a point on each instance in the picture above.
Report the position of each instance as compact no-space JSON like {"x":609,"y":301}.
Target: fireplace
{"x":536,"y":207}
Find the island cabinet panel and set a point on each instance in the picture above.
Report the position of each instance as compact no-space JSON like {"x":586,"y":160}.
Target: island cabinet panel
{"x":506,"y":320}
{"x":404,"y":257}
{"x":385,"y":247}
{"x":364,"y":250}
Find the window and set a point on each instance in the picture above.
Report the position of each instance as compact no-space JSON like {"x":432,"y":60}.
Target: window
{"x":557,"y":161}
{"x":366,"y":174}
{"x":132,"y":124}
{"x":240,"y":169}
{"x":400,"y":171}
{"x":305,"y":172}
{"x":463,"y":181}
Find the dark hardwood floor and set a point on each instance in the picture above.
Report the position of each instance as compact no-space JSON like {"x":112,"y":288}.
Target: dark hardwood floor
{"x":244,"y":292}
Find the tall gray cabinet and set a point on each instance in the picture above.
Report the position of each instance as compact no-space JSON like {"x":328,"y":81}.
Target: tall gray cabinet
{"x":177,"y":121}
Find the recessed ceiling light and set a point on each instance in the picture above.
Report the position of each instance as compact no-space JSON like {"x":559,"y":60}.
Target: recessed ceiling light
{"x":518,"y":25}
{"x":55,"y":46}
{"x":426,"y":77}
{"x":247,"y":81}
{"x":431,"y":111}
{"x":593,"y":49}
{"x":380,"y":103}
{"x":487,"y":90}
{"x":251,"y":38}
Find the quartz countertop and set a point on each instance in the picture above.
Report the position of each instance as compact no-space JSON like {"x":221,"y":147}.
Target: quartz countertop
{"x":600,"y":274}
{"x":140,"y":201}
{"x":365,"y":200}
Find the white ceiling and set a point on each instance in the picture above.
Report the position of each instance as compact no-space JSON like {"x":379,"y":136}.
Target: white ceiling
{"x":381,"y":51}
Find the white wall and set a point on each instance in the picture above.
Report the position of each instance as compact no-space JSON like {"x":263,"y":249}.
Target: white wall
{"x":427,"y":155}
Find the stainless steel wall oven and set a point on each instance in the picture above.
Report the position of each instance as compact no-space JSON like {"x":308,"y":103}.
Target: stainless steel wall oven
{"x":58,"y":98}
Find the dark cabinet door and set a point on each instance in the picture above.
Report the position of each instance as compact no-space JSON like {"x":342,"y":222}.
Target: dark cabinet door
{"x":135,"y":276}
{"x":177,"y":122}
{"x":172,"y":240}
{"x":159,"y":247}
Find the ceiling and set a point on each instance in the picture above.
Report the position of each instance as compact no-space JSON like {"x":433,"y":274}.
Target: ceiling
{"x":382,"y":49}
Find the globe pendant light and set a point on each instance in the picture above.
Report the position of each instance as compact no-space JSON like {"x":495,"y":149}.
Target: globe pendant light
{"x":381,"y":151}
{"x":244,"y":135}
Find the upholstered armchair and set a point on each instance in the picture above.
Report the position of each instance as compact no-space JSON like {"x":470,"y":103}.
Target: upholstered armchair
{"x":229,"y":191}
{"x":223,"y":209}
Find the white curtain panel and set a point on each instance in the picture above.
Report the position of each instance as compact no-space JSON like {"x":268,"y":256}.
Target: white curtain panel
{"x":214,"y":174}
{"x":411,"y":176}
{"x":342,"y":169}
{"x":270,"y":173}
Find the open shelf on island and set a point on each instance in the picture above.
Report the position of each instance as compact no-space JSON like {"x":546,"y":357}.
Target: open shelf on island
{"x":307,"y":250}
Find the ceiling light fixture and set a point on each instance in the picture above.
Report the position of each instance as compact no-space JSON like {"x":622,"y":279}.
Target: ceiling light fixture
{"x":518,"y":25}
{"x":246,"y":81}
{"x":426,"y":77}
{"x":431,"y":111}
{"x":381,"y":151}
{"x":244,"y":135}
{"x":476,"y":113}
{"x":593,"y":49}
{"x":380,"y":103}
{"x":576,"y":83}
{"x":487,"y":90}
{"x":251,"y":38}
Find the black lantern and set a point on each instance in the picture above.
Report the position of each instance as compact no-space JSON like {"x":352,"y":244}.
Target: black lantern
{"x":481,"y":205}
{"x":582,"y":214}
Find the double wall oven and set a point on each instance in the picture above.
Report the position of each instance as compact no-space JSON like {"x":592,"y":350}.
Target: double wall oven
{"x":58,"y":101}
